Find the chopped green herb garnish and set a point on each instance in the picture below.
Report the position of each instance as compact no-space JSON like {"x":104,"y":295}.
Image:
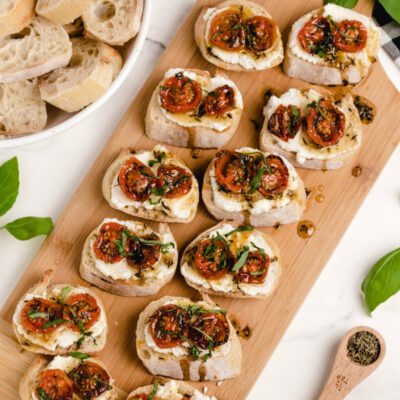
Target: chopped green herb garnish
{"x":52,"y":323}
{"x":242,"y":259}
{"x":43,"y":395}
{"x":34,"y":315}
{"x":260,"y":249}
{"x":341,"y":32}
{"x":155,"y":389}
{"x":64,"y":292}
{"x":159,"y":158}
{"x":315,"y":105}
{"x":239,"y":229}
{"x":81,"y":356}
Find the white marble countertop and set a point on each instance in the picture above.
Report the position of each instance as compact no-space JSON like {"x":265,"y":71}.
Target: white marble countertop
{"x":52,"y":170}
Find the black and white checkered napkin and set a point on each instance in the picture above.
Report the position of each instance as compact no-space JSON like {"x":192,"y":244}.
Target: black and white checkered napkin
{"x":390,"y":32}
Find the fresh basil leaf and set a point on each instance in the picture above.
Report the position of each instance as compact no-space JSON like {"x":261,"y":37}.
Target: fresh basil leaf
{"x":29,"y":227}
{"x":81,"y":356}
{"x":52,"y":323}
{"x":383,"y":281}
{"x":255,"y":182}
{"x":392,"y":7}
{"x":344,"y":3}
{"x":9,"y":184}
{"x":239,"y":263}
{"x":43,"y":395}
{"x":239,"y":229}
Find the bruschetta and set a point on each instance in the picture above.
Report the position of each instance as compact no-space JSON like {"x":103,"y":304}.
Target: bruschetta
{"x":189,"y":108}
{"x":153,"y":184}
{"x":253,"y":187}
{"x":232,"y":260}
{"x":76,"y":376}
{"x":128,"y":258}
{"x":239,"y":35}
{"x":331,"y":46}
{"x":60,"y":319}
{"x":189,"y":340}
{"x":312,"y":129}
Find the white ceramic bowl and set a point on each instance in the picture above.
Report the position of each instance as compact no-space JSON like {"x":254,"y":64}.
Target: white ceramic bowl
{"x":58,"y":121}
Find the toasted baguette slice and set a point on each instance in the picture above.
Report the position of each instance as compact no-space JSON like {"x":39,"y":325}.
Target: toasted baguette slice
{"x":225,"y":362}
{"x":243,"y":60}
{"x":31,"y":379}
{"x":229,"y":285}
{"x":300,"y":150}
{"x":90,"y":72}
{"x":113,"y":22}
{"x":21,"y":108}
{"x":74,"y":28}
{"x":341,"y":69}
{"x":176,"y":209}
{"x":51,"y":343}
{"x":122,"y":279}
{"x":15,"y":15}
{"x":189,"y":129}
{"x":61,"y":11}
{"x":283,"y":208}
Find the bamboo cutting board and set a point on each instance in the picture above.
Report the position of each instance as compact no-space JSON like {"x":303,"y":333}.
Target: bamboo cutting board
{"x":303,"y":259}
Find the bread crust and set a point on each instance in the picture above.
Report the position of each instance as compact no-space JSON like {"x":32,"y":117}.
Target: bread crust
{"x":183,"y":368}
{"x":153,"y":214}
{"x":18,"y":18}
{"x":160,"y":128}
{"x":200,"y":32}
{"x":88,"y":346}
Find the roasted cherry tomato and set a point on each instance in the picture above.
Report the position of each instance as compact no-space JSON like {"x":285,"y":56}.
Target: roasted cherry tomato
{"x":142,"y":255}
{"x":178,"y":180}
{"x":314,"y":34}
{"x":285,"y":122}
{"x":137,"y":180}
{"x":54,"y":384}
{"x":168,"y":324}
{"x":260,"y":33}
{"x":255,"y":269}
{"x":210,"y":325}
{"x":104,"y":246}
{"x":180,"y":94}
{"x":350,"y":36}
{"x":142,"y":396}
{"x":275,"y":177}
{"x":325,"y":123}
{"x":231,"y":172}
{"x":227,"y":30}
{"x":220,"y":101}
{"x":38,"y":312}
{"x":85,"y":309}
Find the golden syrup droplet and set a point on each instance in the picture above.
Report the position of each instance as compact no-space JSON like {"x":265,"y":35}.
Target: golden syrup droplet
{"x":357,"y":171}
{"x":321,"y":188}
{"x":319,"y":198}
{"x":305,"y":229}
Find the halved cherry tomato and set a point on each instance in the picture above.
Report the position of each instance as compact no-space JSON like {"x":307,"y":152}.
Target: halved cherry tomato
{"x":231,"y":172}
{"x":180,"y":94}
{"x":34,"y":323}
{"x":143,"y":256}
{"x":136,"y":180}
{"x":314,"y":34}
{"x":90,"y":380}
{"x":168,"y":324}
{"x":227,"y":31}
{"x":213,"y":258}
{"x":325,"y":124}
{"x":214,"y":325}
{"x":260,"y":33}
{"x":255,"y":269}
{"x":179,"y":180}
{"x":104,"y":246}
{"x":142,"y":396}
{"x":220,"y":101}
{"x":54,"y":384}
{"x":275,"y":178}
{"x":284,"y":122}
{"x":85,"y":308}
{"x":350,"y":36}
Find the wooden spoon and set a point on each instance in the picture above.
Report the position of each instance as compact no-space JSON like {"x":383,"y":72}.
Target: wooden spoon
{"x":347,"y":374}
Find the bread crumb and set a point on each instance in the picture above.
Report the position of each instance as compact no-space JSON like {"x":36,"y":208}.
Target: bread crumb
{"x":205,"y":388}
{"x":219,"y":383}
{"x":116,"y":323}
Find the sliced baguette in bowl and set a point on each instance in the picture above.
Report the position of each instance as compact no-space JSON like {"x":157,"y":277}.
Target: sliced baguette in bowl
{"x":15,"y":15}
{"x":61,"y":11}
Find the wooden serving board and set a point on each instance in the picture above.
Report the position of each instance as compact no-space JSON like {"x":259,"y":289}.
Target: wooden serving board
{"x":303,"y":259}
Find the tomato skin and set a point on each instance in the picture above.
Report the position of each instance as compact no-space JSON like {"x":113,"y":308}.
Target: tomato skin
{"x":325,"y":132}
{"x":277,"y":181}
{"x":179,"y":179}
{"x":104,"y":246}
{"x":55,"y":384}
{"x":260,"y":33}
{"x":180,"y":94}
{"x":314,"y":34}
{"x":86,"y":309}
{"x":356,"y":30}
{"x":144,"y":256}
{"x":255,"y":263}
{"x":220,"y":101}
{"x":284,"y":123}
{"x":142,"y":396}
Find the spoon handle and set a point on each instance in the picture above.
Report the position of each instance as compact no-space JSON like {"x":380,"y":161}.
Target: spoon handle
{"x":339,"y":385}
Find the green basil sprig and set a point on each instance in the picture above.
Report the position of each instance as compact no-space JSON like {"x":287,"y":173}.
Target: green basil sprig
{"x":28,"y":227}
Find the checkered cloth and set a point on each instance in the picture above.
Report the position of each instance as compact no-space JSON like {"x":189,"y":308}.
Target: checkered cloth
{"x":390,"y":32}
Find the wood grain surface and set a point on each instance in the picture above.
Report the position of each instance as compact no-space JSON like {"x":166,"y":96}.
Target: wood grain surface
{"x":303,"y":259}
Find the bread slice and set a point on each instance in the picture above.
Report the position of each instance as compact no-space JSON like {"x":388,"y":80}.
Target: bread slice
{"x":163,"y":129}
{"x":88,"y":75}
{"x":74,"y":28}
{"x":29,"y":380}
{"x":222,"y":365}
{"x":349,"y":69}
{"x":21,"y":108}
{"x":61,"y":11}
{"x":247,"y":60}
{"x":113,"y":22}
{"x":90,"y":344}
{"x":286,"y":214}
{"x":227,"y":286}
{"x":15,"y":15}
{"x":148,"y":283}
{"x":181,"y":209}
